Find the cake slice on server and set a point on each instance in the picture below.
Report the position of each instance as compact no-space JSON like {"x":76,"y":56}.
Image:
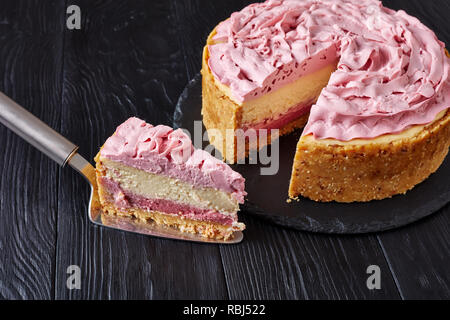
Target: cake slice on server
{"x":154,"y":173}
{"x":370,"y":86}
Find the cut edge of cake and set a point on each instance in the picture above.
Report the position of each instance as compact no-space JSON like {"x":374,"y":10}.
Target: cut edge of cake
{"x":223,"y":114}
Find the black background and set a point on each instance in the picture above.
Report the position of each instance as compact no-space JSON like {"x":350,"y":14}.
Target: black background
{"x":134,"y":58}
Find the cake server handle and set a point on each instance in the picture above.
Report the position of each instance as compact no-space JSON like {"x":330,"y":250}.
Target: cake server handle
{"x":35,"y":132}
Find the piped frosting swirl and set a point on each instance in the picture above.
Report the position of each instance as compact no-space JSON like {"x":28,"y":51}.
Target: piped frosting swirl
{"x":392,"y":70}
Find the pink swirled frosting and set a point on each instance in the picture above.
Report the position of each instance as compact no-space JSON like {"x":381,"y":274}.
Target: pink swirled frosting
{"x":162,"y":150}
{"x":392,"y":70}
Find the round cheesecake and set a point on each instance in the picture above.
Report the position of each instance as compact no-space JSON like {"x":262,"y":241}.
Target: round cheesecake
{"x":369,"y":84}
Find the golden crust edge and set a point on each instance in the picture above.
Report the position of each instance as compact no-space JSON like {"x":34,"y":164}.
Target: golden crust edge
{"x":373,"y":171}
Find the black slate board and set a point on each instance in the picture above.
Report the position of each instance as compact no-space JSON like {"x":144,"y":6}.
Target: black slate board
{"x":267,"y":195}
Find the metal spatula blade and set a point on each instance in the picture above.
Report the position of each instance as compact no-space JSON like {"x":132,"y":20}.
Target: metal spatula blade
{"x":64,"y":152}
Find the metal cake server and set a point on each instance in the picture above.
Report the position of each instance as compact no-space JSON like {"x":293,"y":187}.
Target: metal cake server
{"x":64,"y":152}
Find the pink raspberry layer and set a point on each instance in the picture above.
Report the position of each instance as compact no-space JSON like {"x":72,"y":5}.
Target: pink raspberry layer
{"x":125,"y":199}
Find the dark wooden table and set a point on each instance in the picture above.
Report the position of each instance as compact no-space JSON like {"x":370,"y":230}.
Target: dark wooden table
{"x":134,"y":58}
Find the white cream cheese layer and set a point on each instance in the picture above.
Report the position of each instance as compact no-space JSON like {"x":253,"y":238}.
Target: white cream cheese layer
{"x":154,"y":186}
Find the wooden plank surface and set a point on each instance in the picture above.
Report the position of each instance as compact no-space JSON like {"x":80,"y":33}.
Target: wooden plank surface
{"x":30,"y":69}
{"x":123,"y":62}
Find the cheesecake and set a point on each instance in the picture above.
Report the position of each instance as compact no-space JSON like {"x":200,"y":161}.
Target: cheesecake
{"x":154,"y":174}
{"x":369,"y":85}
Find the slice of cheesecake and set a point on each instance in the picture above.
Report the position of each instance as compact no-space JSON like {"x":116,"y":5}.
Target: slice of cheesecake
{"x":154,"y":173}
